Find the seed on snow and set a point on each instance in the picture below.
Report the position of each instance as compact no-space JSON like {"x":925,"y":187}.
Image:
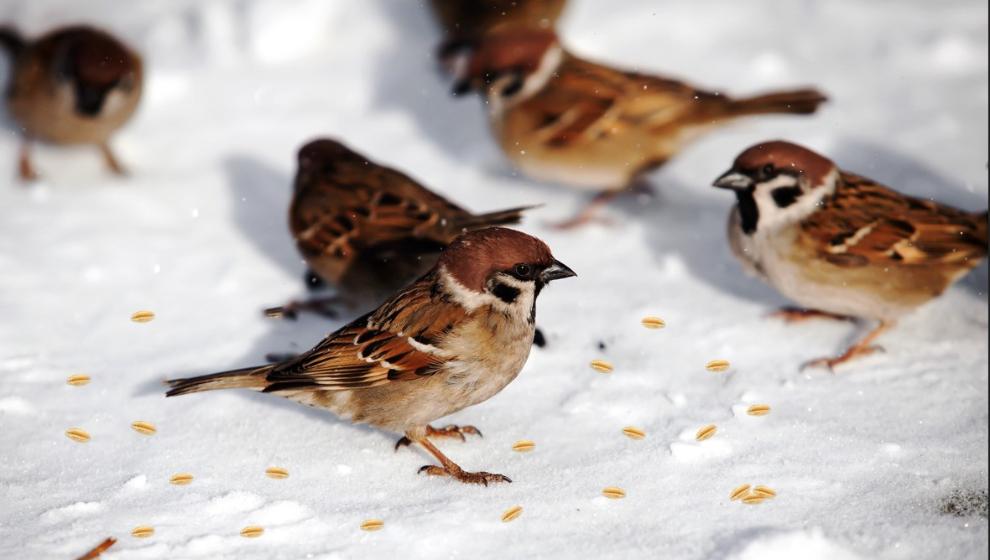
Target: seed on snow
{"x":633,"y":432}
{"x":717,"y":366}
{"x":523,"y":445}
{"x":143,"y":427}
{"x":511,"y":513}
{"x":601,"y":366}
{"x":613,"y":492}
{"x":705,"y":432}
{"x":77,"y":434}
{"x":739,"y":492}
{"x":651,"y":322}
{"x":758,"y":410}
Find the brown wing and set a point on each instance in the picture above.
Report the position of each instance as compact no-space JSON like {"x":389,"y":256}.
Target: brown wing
{"x":867,"y":223}
{"x":588,"y":100}
{"x":345,"y":206}
{"x":400,"y":341}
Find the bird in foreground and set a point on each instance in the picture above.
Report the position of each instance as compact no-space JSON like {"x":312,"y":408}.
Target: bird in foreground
{"x":841,"y":245}
{"x":561,"y":118}
{"x":452,"y":339}
{"x":74,"y":85}
{"x":465,"y":20}
{"x":368,"y":229}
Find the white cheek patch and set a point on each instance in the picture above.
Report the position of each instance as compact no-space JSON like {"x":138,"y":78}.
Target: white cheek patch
{"x":533,"y":83}
{"x":520,"y":307}
{"x":772,"y":216}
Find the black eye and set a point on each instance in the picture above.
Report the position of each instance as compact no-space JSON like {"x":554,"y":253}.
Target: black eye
{"x":523,"y":270}
{"x":768,"y":169}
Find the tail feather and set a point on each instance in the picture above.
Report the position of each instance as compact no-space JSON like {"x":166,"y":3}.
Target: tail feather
{"x":497,"y":218}
{"x":11,"y":40}
{"x":245,"y":378}
{"x":799,"y":102}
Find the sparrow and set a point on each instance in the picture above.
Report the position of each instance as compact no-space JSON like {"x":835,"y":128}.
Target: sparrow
{"x":73,"y":85}
{"x":561,"y":118}
{"x":841,"y":245}
{"x":452,"y":339}
{"x":465,"y":20}
{"x":368,"y":229}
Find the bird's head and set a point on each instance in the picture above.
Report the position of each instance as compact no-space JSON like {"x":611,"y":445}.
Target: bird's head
{"x":97,"y":67}
{"x":778,"y":183}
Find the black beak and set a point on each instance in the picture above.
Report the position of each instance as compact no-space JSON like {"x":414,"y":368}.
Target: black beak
{"x":734,"y":180}
{"x":556,"y":271}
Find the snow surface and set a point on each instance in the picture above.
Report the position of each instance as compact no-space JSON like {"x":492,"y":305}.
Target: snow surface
{"x":862,"y":460}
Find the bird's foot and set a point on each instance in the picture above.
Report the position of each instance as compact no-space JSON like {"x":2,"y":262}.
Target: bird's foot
{"x":460,"y":474}
{"x":797,"y":314}
{"x":449,"y":431}
{"x":853,"y":352}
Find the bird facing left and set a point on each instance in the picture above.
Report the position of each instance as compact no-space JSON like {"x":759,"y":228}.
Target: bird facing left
{"x":452,"y":339}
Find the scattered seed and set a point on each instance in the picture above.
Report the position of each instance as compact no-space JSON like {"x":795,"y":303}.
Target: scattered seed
{"x":276,"y":472}
{"x":753,"y":499}
{"x":717,"y":366}
{"x":613,"y":492}
{"x":651,"y":322}
{"x":739,"y":492}
{"x":181,"y":479}
{"x":142,"y":531}
{"x":523,"y":445}
{"x":252,"y":531}
{"x":764,"y":492}
{"x":758,"y":410}
{"x":77,"y":434}
{"x":79,"y":379}
{"x":706,"y":432}
{"x":601,"y":366}
{"x":142,"y":316}
{"x":143,"y":427}
{"x":511,"y":514}
{"x":372,"y":525}
{"x":633,"y":432}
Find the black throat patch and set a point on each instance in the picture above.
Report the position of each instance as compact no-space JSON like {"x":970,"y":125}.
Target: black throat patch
{"x":748,"y":211}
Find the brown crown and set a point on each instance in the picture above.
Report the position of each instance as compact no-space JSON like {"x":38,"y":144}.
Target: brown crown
{"x":509,"y":49}
{"x":785,"y":155}
{"x":474,"y":256}
{"x":97,"y":58}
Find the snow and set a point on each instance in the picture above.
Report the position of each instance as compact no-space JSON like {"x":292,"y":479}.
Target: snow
{"x":862,"y":460}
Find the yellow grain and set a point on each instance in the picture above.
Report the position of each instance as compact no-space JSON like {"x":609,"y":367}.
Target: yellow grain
{"x":706,"y":432}
{"x":181,"y":479}
{"x":77,"y":434}
{"x":78,"y":379}
{"x":753,"y":499}
{"x":758,"y":410}
{"x":601,"y":366}
{"x":632,"y":432}
{"x":276,"y":472}
{"x":142,"y":316}
{"x":765,"y":492}
{"x":145,"y":428}
{"x":142,"y":531}
{"x":511,"y":513}
{"x":372,"y":525}
{"x":717,"y":366}
{"x":739,"y":492}
{"x":652,"y":322}
{"x":613,"y":492}
{"x":523,"y":446}
{"x":252,"y":532}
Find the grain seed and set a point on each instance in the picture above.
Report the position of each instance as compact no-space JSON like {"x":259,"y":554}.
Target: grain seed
{"x":717,"y":366}
{"x":77,"y":380}
{"x":372,"y":525}
{"x":758,"y":410}
{"x":142,"y":531}
{"x":181,"y":479}
{"x":651,"y":322}
{"x":706,"y":432}
{"x":276,"y":472}
{"x":511,"y":513}
{"x":632,"y":432}
{"x":739,"y":492}
{"x":77,"y":434}
{"x":601,"y":366}
{"x":613,"y":492}
{"x":764,"y":492}
{"x":142,"y":427}
{"x":142,"y":316}
{"x":523,"y":445}
{"x":753,"y":499}
{"x":252,"y":531}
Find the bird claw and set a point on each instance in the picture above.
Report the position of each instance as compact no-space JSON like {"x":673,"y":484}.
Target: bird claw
{"x":448,"y":431}
{"x":463,"y":476}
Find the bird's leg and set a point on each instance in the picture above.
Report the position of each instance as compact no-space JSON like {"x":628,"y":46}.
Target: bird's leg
{"x":587,"y":214}
{"x":797,"y":314}
{"x":321,"y":305}
{"x":24,"y":166}
{"x":111,"y":160}
{"x":863,"y":347}
{"x":449,"y":431}
{"x":451,"y":468}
